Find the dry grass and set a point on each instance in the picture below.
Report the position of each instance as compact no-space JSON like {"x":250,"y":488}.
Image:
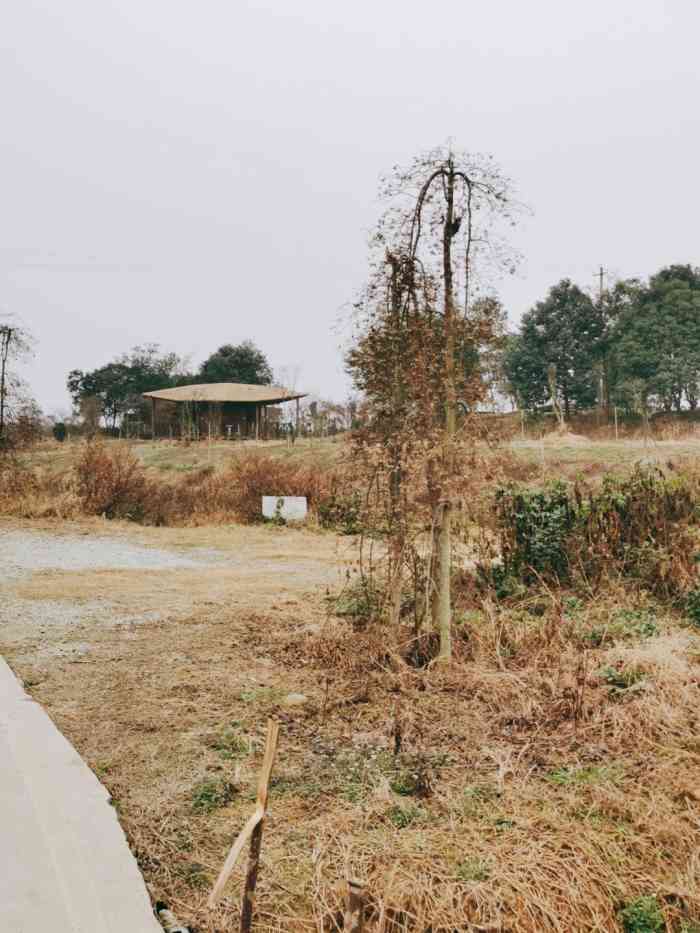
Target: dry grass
{"x":521,"y":789}
{"x":539,"y":783}
{"x":176,"y":457}
{"x":556,"y":459}
{"x":109,"y":479}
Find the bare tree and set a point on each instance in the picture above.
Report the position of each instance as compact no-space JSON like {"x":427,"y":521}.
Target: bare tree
{"x":15,"y":343}
{"x":438,"y":245}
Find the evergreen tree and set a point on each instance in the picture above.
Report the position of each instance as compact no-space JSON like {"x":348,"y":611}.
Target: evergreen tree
{"x":566,"y":331}
{"x":242,"y":363}
{"x":655,"y":341}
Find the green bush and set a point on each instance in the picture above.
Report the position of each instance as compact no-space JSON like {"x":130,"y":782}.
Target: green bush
{"x":534,"y":527}
{"x":60,"y":431}
{"x":343,"y":513}
{"x":692,"y":606}
{"x":636,"y":525}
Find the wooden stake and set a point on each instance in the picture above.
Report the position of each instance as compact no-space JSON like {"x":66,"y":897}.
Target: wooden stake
{"x":254,"y":823}
{"x":354,"y":919}
{"x":251,"y":879}
{"x":233,"y":856}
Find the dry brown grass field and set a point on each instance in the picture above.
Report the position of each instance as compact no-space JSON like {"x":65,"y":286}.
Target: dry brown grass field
{"x":547,"y":780}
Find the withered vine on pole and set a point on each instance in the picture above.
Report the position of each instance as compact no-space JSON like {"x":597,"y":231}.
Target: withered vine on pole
{"x":423,"y":324}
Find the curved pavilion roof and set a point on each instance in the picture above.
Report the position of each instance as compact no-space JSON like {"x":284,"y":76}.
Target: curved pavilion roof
{"x":227,"y":392}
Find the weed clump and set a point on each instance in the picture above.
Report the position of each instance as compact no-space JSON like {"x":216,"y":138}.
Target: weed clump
{"x":472,"y":870}
{"x":403,"y":816}
{"x":622,"y":679}
{"x":359,"y":601}
{"x":212,"y":794}
{"x":642,"y":915}
{"x":627,"y":624}
{"x":230,"y":744}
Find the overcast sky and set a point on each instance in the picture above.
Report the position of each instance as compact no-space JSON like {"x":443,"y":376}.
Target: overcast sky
{"x":194,"y":173}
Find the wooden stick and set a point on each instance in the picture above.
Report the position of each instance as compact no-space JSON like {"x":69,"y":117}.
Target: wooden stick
{"x":255,"y":819}
{"x":233,"y":856}
{"x":354,"y":919}
{"x":256,"y":836}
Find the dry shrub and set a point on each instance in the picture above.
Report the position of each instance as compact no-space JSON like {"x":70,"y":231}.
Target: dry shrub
{"x":345,"y":650}
{"x":111,"y":481}
{"x":247,"y":479}
{"x":16,"y":481}
{"x":18,"y":486}
{"x":33,"y":493}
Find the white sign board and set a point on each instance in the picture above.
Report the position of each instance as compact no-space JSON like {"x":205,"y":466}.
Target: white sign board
{"x":290,"y":508}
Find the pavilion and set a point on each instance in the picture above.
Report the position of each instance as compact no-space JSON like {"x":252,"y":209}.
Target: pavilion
{"x":230,"y":407}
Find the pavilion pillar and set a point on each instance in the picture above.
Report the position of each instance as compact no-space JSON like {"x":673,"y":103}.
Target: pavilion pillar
{"x":297,"y":427}
{"x":257,"y":421}
{"x":153,"y":418}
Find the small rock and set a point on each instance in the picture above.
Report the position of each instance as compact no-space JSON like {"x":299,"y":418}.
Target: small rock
{"x":294,"y":699}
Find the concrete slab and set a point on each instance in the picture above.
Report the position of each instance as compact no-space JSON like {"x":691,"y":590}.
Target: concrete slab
{"x":290,"y":508}
{"x":65,"y":865}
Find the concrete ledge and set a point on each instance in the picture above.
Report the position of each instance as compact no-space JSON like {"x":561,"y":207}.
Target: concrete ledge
{"x":66,"y":864}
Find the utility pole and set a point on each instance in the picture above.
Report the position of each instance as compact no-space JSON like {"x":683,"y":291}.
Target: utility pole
{"x":7,"y":335}
{"x":602,"y":400}
{"x":599,"y":275}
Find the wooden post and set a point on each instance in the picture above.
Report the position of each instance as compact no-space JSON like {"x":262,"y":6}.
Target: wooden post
{"x":615,"y":422}
{"x":257,"y":421}
{"x":256,"y":837}
{"x":254,"y":823}
{"x":297,"y":426}
{"x":153,"y":418}
{"x":354,"y":919}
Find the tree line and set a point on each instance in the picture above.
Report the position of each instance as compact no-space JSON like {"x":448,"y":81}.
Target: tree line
{"x":115,"y":390}
{"x":636,"y":346}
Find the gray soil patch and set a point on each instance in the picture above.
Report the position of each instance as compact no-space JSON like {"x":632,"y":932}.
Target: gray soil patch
{"x":24,"y":552}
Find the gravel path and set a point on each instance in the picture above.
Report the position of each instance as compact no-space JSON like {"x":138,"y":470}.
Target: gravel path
{"x":23,"y":552}
{"x":27,"y":621}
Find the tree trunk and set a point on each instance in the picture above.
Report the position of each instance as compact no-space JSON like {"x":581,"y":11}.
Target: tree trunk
{"x":442,"y":608}
{"x":396,"y":544}
{"x":395,"y":477}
